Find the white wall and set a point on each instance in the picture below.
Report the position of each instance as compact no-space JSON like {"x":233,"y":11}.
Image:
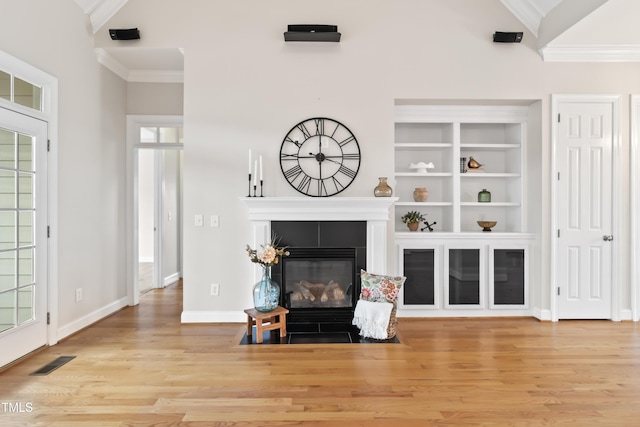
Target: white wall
{"x":155,"y":98}
{"x":146,"y":207}
{"x":55,"y":37}
{"x":245,"y":88}
{"x":172,"y":210}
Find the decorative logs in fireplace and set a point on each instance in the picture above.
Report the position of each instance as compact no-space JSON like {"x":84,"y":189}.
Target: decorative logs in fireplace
{"x":320,"y":279}
{"x":320,"y":285}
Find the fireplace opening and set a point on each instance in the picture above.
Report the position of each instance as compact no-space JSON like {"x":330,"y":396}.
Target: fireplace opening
{"x":319,"y":285}
{"x":320,"y":279}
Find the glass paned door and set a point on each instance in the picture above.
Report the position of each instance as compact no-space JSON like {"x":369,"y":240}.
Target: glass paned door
{"x":23,"y":287}
{"x":419,"y":269}
{"x":464,"y":284}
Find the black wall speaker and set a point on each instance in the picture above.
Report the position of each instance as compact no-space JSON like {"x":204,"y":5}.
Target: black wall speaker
{"x":501,"y":37}
{"x":312,"y":33}
{"x":130,"y":34}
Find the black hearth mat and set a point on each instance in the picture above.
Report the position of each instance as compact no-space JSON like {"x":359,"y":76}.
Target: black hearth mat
{"x":273,"y":337}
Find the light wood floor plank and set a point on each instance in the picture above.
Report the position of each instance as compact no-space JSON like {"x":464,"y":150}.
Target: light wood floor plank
{"x":141,"y":367}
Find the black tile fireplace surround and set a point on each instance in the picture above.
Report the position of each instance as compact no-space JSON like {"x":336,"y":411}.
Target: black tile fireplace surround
{"x":320,"y":280}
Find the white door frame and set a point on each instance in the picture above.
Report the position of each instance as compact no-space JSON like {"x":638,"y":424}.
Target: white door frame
{"x":614,"y":100}
{"x":49,"y":114}
{"x":134,"y":123}
{"x":634,"y":201}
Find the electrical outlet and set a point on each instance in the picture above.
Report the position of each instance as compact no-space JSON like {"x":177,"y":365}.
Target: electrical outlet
{"x":215,"y":289}
{"x":78,"y":294}
{"x":215,"y":221}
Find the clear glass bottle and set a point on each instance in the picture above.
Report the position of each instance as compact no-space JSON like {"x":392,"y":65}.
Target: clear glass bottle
{"x":266,"y":293}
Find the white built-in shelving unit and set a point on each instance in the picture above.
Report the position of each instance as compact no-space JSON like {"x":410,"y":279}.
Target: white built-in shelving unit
{"x":493,"y":136}
{"x":458,"y":269}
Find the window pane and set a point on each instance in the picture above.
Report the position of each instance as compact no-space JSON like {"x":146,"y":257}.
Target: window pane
{"x":25,"y":304}
{"x":7,"y":230}
{"x":169,"y":135}
{"x":464,"y":276}
{"x":7,"y":270}
{"x":25,"y":231}
{"x":148,"y":134}
{"x":508,"y":267}
{"x":25,"y":191}
{"x":25,"y":267}
{"x":5,"y":86}
{"x":8,"y":312}
{"x":7,"y":149}
{"x":25,"y":152}
{"x":7,"y":189}
{"x":419,"y":270}
{"x":24,"y":93}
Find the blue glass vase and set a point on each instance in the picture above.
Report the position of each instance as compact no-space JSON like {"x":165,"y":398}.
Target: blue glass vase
{"x":266,"y":293}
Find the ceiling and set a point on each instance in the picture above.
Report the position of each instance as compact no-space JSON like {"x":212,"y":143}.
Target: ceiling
{"x":565,"y":30}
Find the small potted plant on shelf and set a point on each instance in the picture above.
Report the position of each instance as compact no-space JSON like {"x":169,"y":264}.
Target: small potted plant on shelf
{"x":412,"y":219}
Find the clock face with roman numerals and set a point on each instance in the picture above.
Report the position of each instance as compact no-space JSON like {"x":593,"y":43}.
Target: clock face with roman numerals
{"x":320,"y":157}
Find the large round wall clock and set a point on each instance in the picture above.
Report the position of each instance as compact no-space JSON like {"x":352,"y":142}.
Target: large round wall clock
{"x":320,"y":157}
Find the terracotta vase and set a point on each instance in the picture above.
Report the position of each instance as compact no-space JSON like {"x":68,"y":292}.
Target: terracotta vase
{"x":420,"y":194}
{"x":413,"y":226}
{"x":382,"y":189}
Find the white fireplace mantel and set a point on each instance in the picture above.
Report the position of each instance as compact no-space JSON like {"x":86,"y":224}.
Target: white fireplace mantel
{"x":373,"y":210}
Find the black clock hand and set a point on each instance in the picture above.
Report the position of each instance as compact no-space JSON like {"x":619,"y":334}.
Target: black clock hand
{"x":334,"y":161}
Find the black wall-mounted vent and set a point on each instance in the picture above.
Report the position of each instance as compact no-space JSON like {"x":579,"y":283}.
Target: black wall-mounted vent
{"x":312,"y":33}
{"x":501,"y":37}
{"x":129,"y":34}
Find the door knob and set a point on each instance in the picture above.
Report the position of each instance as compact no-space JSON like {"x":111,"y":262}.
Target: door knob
{"x":607,"y":238}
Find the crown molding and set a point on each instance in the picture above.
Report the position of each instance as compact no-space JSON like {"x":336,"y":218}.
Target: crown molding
{"x":154,"y":76}
{"x":111,"y":63}
{"x":137,"y":76}
{"x":591,"y":53}
{"x":526,"y":13}
{"x":100,"y":11}
{"x":105,"y":11}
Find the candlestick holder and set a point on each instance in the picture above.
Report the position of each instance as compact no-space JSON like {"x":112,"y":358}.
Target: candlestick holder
{"x":261,"y":195}
{"x":254,"y":190}
{"x":249,"y":185}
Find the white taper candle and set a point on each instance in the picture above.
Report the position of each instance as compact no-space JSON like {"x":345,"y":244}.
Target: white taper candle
{"x":255,"y":172}
{"x":261,"y":167}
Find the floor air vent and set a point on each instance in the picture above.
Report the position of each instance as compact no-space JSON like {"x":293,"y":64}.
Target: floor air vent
{"x":52,"y":366}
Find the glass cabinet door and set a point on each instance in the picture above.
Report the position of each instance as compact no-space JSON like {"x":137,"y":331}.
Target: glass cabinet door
{"x":419,"y":268}
{"x":464,"y":284}
{"x":508,"y":286}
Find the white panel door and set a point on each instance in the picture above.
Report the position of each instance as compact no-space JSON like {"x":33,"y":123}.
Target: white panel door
{"x":584,"y":160}
{"x":23,"y":235}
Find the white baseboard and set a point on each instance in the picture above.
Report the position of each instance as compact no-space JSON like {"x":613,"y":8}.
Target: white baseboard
{"x":626,"y":314}
{"x":172,"y":278}
{"x":91,"y":318}
{"x":542,"y":314}
{"x":213,"y":317}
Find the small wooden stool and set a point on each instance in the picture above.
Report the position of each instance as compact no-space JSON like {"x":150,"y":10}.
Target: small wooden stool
{"x":259,"y":318}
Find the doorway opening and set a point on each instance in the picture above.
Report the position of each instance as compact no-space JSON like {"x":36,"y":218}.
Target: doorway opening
{"x":155,"y":152}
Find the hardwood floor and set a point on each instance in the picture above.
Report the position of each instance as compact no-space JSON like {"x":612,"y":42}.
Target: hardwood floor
{"x":141,"y":367}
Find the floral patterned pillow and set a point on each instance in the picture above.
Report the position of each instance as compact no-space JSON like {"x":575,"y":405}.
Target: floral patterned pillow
{"x":379,"y":288}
